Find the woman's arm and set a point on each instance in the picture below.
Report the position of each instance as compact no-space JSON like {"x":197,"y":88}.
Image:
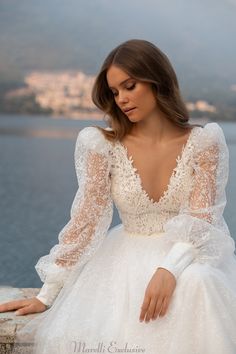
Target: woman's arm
{"x":91,"y":215}
{"x":199,"y":232}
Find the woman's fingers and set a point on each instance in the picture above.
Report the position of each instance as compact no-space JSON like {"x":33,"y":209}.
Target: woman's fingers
{"x":157,"y":295}
{"x":23,"y":306}
{"x":144,"y":308}
{"x":12,"y":305}
{"x":25,"y":310}
{"x":164,"y":306}
{"x":151,"y":309}
{"x":158,"y":308}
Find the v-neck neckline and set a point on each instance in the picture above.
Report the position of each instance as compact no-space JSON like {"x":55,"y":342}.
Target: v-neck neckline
{"x":178,"y":160}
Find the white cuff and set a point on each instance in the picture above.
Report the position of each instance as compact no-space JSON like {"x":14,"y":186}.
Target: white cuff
{"x":48,"y":293}
{"x":178,"y":258}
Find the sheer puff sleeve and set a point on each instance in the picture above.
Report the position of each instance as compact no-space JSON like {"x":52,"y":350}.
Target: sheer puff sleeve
{"x":199,"y":232}
{"x":90,"y":216}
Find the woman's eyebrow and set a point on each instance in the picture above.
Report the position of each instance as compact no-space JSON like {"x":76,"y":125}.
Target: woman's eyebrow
{"x":122,"y":82}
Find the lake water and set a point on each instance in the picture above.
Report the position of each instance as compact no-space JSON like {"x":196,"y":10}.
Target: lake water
{"x":37,"y":187}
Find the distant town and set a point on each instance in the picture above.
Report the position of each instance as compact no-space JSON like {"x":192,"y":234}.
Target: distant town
{"x":68,"y":94}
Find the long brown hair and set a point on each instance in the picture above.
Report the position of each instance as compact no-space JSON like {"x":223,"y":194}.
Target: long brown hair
{"x":145,"y":62}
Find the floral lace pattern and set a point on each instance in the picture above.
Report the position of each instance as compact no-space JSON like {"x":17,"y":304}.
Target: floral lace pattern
{"x":138,"y":212}
{"x":91,"y":215}
{"x":190,"y":211}
{"x":191,"y":208}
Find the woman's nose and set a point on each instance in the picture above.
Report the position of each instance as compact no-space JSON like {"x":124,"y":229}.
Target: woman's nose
{"x":122,"y":98}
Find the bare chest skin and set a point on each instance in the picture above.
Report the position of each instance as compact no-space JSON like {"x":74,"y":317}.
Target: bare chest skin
{"x":155,"y":164}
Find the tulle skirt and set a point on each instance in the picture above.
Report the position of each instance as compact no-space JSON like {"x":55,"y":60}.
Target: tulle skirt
{"x":98,"y":309}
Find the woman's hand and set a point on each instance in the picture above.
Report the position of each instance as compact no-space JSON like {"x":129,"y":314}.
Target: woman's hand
{"x":158,"y":295}
{"x":24,"y":306}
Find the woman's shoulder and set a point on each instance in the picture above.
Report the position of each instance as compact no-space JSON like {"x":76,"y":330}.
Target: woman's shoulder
{"x":92,"y":138}
{"x":210,"y":134}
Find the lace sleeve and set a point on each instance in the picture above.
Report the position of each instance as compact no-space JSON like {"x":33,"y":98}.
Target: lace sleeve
{"x":199,"y":231}
{"x":90,"y":217}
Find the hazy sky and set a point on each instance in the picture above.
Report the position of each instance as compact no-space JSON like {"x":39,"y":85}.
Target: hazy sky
{"x":197,"y":35}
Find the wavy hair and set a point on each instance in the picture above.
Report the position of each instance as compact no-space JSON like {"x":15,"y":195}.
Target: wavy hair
{"x":144,"y":62}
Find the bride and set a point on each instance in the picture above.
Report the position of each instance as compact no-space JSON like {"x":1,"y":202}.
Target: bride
{"x":163,"y":281}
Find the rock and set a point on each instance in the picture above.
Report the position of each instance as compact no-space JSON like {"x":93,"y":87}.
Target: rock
{"x":9,"y":322}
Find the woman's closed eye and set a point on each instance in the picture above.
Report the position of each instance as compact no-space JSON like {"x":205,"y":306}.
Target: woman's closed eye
{"x":128,"y":88}
{"x":131,"y":87}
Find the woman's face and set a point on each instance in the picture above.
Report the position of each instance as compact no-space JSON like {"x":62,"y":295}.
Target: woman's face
{"x":131,"y":93}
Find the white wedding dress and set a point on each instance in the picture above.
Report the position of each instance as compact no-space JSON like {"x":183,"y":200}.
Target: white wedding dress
{"x":95,"y":279}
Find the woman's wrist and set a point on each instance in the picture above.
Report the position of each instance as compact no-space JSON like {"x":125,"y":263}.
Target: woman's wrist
{"x":178,"y":258}
{"x":48,"y":293}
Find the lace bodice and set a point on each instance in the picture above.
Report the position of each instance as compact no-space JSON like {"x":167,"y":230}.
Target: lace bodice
{"x":138,"y":212}
{"x":190,"y":212}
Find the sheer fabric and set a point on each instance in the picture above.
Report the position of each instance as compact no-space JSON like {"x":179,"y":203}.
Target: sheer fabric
{"x":199,"y":230}
{"x":95,"y":279}
{"x":91,"y":215}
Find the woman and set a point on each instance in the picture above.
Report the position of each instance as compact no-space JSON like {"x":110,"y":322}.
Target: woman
{"x":163,"y":281}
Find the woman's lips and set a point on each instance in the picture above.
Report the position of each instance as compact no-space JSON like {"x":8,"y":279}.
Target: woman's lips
{"x":131,"y":110}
